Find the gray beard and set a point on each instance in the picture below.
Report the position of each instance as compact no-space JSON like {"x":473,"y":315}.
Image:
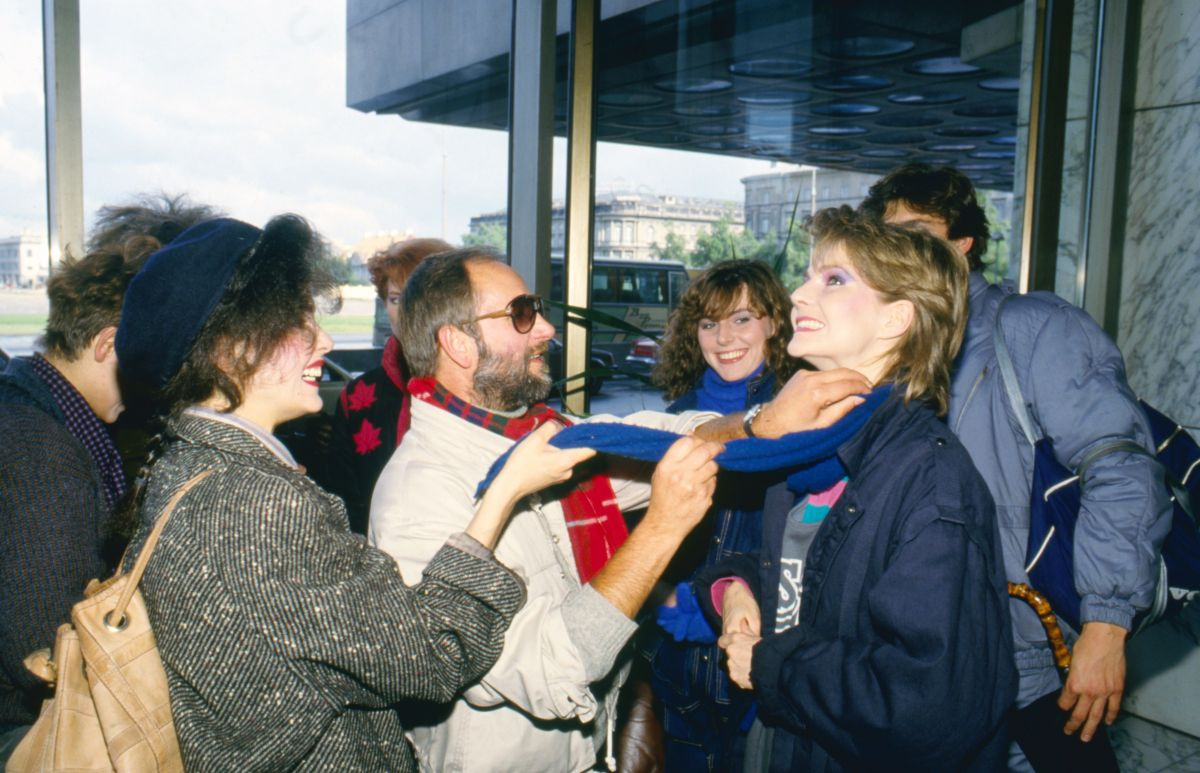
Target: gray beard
{"x":504,"y":385}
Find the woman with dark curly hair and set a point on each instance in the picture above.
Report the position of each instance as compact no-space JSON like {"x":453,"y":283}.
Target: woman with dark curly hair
{"x":725,"y":350}
{"x":287,"y":640}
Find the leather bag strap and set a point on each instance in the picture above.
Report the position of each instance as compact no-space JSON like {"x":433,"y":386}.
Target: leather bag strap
{"x":139,"y":566}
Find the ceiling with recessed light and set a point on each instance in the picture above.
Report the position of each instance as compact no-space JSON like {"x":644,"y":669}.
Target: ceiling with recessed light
{"x":860,"y":85}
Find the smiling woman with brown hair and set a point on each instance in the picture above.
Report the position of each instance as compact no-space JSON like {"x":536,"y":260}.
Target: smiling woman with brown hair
{"x":286,"y":639}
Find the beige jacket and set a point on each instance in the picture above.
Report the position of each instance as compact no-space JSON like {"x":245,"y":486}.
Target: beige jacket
{"x":539,"y":707}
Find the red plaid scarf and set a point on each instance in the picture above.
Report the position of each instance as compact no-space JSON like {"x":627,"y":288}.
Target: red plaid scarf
{"x":594,"y":522}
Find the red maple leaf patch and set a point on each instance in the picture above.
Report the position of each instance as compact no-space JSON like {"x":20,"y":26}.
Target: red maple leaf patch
{"x":366,"y":439}
{"x":362,"y":397}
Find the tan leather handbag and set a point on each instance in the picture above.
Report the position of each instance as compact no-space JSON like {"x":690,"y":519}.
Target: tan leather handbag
{"x":111,"y":710}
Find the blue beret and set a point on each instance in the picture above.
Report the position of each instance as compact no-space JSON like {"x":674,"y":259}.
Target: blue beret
{"x":174,"y":294}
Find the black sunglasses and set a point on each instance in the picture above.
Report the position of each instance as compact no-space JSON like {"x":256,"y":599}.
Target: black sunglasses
{"x":522,"y":310}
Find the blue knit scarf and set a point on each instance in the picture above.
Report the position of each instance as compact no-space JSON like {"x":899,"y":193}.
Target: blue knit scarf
{"x":717,"y":394}
{"x":811,"y":455}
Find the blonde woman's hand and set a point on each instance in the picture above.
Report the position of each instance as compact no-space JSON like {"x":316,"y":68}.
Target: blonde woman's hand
{"x":739,"y":611}
{"x":739,"y":656}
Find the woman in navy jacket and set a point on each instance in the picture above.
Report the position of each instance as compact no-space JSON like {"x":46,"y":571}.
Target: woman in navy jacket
{"x":725,"y":351}
{"x":873,"y":626}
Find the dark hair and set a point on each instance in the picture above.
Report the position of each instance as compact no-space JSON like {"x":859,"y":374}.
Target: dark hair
{"x":901,"y":263}
{"x":943,"y":192}
{"x":714,"y":295}
{"x":85,"y":297}
{"x":438,"y":293}
{"x":145,"y":223}
{"x":272,"y":294}
{"x":396,"y":262}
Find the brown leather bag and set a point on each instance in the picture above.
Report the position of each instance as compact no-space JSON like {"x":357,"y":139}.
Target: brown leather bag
{"x":111,"y":710}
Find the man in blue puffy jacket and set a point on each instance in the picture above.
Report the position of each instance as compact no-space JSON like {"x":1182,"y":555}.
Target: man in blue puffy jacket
{"x":1073,"y":377}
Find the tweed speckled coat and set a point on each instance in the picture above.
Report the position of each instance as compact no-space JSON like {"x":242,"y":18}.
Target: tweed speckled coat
{"x":286,"y":640}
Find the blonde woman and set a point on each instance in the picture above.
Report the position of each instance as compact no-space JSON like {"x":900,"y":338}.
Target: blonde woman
{"x":873,"y":626}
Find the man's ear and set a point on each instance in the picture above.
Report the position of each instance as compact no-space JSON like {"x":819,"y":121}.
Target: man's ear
{"x":963,"y":245}
{"x":897,"y":319}
{"x":458,"y":346}
{"x":104,"y":344}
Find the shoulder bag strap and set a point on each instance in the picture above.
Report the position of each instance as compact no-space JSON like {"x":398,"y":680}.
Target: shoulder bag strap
{"x":1017,"y":402}
{"x":139,"y":566}
{"x":1009,"y":376}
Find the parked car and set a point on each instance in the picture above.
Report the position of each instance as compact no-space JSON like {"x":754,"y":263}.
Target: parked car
{"x":642,"y":357}
{"x":599,"y":360}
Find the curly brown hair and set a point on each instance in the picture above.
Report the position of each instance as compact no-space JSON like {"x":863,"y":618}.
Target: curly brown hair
{"x":397,"y":262}
{"x":901,"y":263}
{"x":714,"y":294}
{"x":272,"y":294}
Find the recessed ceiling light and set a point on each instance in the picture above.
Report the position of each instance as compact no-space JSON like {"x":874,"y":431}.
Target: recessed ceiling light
{"x":694,"y":85}
{"x":774,"y":98}
{"x":838,"y":130}
{"x":1000,"y":84}
{"x":778,"y":67}
{"x":844,"y":109}
{"x":852,"y":83}
{"x":942,"y":65}
{"x":925,"y":97}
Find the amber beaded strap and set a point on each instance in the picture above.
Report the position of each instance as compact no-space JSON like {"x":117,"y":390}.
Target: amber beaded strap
{"x":1062,"y":655}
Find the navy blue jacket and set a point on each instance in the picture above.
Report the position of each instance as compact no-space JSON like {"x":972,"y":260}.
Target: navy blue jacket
{"x":902,"y":659}
{"x":53,"y":523}
{"x":702,"y":708}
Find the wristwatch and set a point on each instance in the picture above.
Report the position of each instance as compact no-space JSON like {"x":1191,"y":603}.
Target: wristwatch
{"x":748,"y":420}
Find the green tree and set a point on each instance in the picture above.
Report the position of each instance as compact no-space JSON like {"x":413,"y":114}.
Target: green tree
{"x":672,"y":249}
{"x":996,"y":259}
{"x":721,"y":242}
{"x":487,"y":235}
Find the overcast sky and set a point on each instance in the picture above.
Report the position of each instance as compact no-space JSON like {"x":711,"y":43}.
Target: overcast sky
{"x":242,"y":105}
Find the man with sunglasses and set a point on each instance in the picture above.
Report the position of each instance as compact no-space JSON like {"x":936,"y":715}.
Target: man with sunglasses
{"x":475,"y":340}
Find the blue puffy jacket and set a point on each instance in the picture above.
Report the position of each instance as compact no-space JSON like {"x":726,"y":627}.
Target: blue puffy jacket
{"x":1073,"y":378}
{"x":902,"y":659}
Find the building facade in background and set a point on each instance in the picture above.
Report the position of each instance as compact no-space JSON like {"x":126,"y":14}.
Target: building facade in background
{"x":24,"y":261}
{"x":630,"y":226}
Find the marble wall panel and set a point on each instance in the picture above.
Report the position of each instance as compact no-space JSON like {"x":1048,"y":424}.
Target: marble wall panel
{"x":1160,"y":299}
{"x":1169,"y":54}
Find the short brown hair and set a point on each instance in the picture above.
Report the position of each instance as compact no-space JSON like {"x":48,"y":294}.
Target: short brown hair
{"x":714,"y":295}
{"x":397,"y":262}
{"x":85,"y":297}
{"x":907,"y":264}
{"x":438,"y":293}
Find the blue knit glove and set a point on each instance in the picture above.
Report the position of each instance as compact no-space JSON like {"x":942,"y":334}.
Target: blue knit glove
{"x":685,"y":621}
